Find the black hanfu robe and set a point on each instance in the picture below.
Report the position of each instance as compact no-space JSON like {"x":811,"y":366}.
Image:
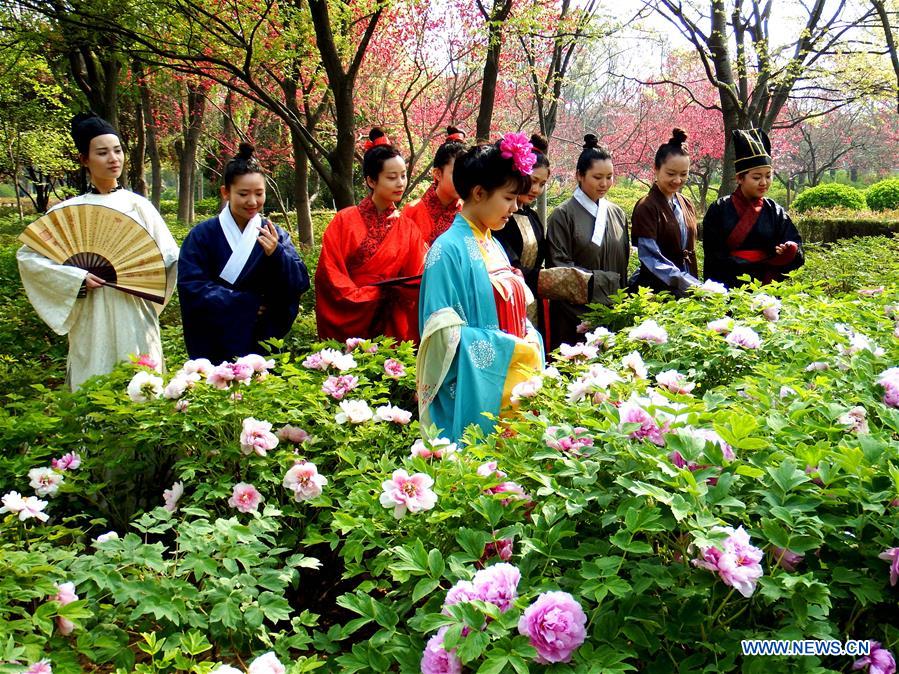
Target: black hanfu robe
{"x":223,"y":321}
{"x":755,"y":255}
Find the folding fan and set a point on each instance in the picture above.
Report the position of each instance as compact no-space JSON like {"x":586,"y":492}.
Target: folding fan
{"x":105,"y":242}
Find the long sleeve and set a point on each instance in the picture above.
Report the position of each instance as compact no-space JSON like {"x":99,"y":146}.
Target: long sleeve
{"x":718,"y":263}
{"x":51,"y":288}
{"x":203,"y":293}
{"x":661,"y":267}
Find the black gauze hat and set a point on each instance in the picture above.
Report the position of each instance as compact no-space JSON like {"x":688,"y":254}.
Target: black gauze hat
{"x":752,"y":149}
{"x":86,"y":126}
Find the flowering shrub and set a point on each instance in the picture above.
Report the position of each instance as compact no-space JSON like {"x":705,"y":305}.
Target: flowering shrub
{"x":654,"y":501}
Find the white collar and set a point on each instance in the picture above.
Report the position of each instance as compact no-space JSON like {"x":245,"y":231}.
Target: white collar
{"x":598,"y":209}
{"x":241,"y":243}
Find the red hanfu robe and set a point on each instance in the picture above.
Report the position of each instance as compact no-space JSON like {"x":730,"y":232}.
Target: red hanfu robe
{"x":360,"y":249}
{"x":431,"y":216}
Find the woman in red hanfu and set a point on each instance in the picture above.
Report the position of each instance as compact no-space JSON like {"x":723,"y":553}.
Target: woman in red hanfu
{"x":437,"y":208}
{"x":368,"y":274}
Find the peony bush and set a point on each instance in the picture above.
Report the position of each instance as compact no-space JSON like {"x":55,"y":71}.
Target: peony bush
{"x":719,"y":468}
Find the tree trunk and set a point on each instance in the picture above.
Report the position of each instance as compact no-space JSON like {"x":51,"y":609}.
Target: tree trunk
{"x":138,"y":153}
{"x":186,"y":148}
{"x":146,"y":104}
{"x":301,"y":190}
{"x":495,"y":20}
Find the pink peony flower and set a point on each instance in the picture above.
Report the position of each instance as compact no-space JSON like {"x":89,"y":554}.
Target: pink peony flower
{"x":436,"y":659}
{"x":391,"y":413}
{"x":502,"y":548}
{"x":786,"y":559}
{"x":256,"y":436}
{"x":769,"y":306}
{"x":394,"y":368}
{"x":517,"y":147}
{"x":353,"y":342}
{"x":601,"y":337}
{"x":871,"y":292}
{"x":710,"y":287}
{"x":462,"y":591}
{"x":738,"y":564}
{"x":856,"y":419}
{"x":438,"y":448}
{"x":498,"y":584}
{"x":45,"y":481}
{"x":293,"y":434}
{"x":634,"y":362}
{"x":69,"y":461}
{"x":577,"y":352}
{"x":40,"y":667}
{"x":745,"y":338}
{"x":878,"y":661}
{"x":259,"y":364}
{"x":267,"y":663}
{"x":817,"y":366}
{"x":556,"y":626}
{"x":182,"y":405}
{"x":675,"y":382}
{"x":338,"y":386}
{"x":226,"y":669}
{"x":582,"y":328}
{"x":513,"y":490}
{"x":408,"y":492}
{"x":891,"y":555}
{"x":65,"y":594}
{"x":245,"y":497}
{"x":722,"y":326}
{"x":490,"y":469}
{"x":315,"y":362}
{"x":889,"y":380}
{"x":709,"y":435}
{"x":336,"y":359}
{"x":648,"y":331}
{"x":353,"y":411}
{"x":25,"y":508}
{"x":108,"y":536}
{"x":144,"y":386}
{"x":566,"y":439}
{"x":223,"y":375}
{"x":305,"y":481}
{"x":631,"y":413}
{"x":172,"y":496}
{"x":146,"y":360}
{"x":176,"y":387}
{"x":526,"y":389}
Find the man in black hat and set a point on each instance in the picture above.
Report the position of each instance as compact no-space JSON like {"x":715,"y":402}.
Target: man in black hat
{"x":748,"y":233}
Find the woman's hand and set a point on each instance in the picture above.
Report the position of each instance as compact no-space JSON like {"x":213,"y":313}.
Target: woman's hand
{"x":784,"y":247}
{"x":268,"y":237}
{"x":92,"y":281}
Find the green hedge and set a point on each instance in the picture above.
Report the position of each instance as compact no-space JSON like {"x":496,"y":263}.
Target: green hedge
{"x":884,"y":195}
{"x":830,"y":195}
{"x":829,"y":225}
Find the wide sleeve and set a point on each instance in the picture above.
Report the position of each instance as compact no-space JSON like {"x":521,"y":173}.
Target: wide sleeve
{"x":718,"y":263}
{"x":787,"y":231}
{"x":52,"y":288}
{"x":561,"y":250}
{"x":204,"y":294}
{"x":286,"y":269}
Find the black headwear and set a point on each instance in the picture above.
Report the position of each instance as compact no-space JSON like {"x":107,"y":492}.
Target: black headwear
{"x":752,"y":149}
{"x":86,"y":126}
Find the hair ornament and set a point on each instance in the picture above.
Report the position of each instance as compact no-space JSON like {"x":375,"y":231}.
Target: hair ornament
{"x":380,"y":140}
{"x":518,"y":148}
{"x":458,"y":137}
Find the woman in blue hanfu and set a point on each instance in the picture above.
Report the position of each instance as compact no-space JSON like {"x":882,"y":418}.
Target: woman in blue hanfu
{"x":239,"y":276}
{"x":476,"y":340}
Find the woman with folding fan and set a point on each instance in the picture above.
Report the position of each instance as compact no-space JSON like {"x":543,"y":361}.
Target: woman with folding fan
{"x":239,"y":276}
{"x":104,"y":326}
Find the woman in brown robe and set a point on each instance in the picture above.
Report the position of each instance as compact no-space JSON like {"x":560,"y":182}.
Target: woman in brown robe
{"x":664,"y":223}
{"x":588,"y":233}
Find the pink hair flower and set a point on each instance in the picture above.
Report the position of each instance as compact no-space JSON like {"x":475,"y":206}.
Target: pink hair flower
{"x":518,"y":148}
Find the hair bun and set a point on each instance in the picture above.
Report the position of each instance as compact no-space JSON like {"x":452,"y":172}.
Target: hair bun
{"x":245,"y":152}
{"x":540,"y":143}
{"x":678,"y":136}
{"x":453,"y":130}
{"x":375,"y":133}
{"x":591,"y":142}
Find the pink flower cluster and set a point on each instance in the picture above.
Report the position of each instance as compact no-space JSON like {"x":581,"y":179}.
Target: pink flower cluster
{"x":722,"y":326}
{"x":267,"y":663}
{"x":631,"y":413}
{"x":438,"y":448}
{"x":649,"y":331}
{"x":69,"y":461}
{"x":744,"y":337}
{"x":404,"y":492}
{"x":436,"y":659}
{"x":891,"y":555}
{"x":24,"y":507}
{"x":304,"y":480}
{"x":394,"y":414}
{"x":555,"y":624}
{"x":354,"y":412}
{"x":145,"y":360}
{"x":292,"y":434}
{"x":45,"y":481}
{"x":327,"y":358}
{"x":601,"y":337}
{"x":768,"y":305}
{"x":517,"y":147}
{"x":171,"y":496}
{"x":786,"y":559}
{"x":144,"y":386}
{"x":497,"y":584}
{"x":878,"y":661}
{"x":39,"y":667}
{"x":256,"y":436}
{"x":338,"y":386}
{"x":245,"y":497}
{"x":567,"y":439}
{"x":578,"y":351}
{"x":65,"y":594}
{"x":710,"y":287}
{"x":738,"y":564}
{"x":526,"y":389}
{"x":889,"y":380}
{"x":675,"y":382}
{"x":502,"y":548}
{"x":597,"y":380}
{"x":394,"y":368}
{"x":226,"y":374}
{"x":634,"y":362}
{"x":856,"y":420}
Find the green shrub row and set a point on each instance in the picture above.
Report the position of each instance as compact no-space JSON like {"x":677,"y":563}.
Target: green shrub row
{"x":881,"y":196}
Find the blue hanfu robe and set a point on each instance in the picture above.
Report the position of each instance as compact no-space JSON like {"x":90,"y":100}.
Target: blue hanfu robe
{"x":223,"y":321}
{"x":466,"y":365}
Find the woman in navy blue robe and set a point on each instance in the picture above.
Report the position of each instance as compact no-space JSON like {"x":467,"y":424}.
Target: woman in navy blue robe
{"x":239,"y":276}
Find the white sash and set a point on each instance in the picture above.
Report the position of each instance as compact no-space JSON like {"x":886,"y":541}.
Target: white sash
{"x":241,"y":243}
{"x":600,"y":212}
